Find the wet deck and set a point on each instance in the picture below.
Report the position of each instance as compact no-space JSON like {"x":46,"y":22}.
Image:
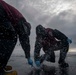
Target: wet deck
{"x":19,"y":63}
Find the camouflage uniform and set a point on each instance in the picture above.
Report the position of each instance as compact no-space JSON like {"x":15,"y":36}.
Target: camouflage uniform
{"x":12,"y":26}
{"x":50,"y":41}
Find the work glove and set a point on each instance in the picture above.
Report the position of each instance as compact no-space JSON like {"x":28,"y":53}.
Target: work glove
{"x":69,"y":41}
{"x":37,"y":63}
{"x":30,"y":62}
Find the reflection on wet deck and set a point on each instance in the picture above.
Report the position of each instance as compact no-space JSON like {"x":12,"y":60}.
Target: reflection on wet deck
{"x":46,"y":70}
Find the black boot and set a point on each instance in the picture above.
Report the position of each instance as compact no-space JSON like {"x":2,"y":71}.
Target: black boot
{"x":63,"y":64}
{"x":1,"y":71}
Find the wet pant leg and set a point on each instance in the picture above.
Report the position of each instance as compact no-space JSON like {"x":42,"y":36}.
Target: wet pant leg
{"x":6,"y":49}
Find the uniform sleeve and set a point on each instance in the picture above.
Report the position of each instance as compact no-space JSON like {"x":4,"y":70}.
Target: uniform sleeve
{"x":59,"y":35}
{"x":38,"y":46}
{"x":24,"y":32}
{"x":24,"y":40}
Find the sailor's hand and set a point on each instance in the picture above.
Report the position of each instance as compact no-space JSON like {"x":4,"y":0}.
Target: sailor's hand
{"x":37,"y":63}
{"x":30,"y":61}
{"x":69,"y":40}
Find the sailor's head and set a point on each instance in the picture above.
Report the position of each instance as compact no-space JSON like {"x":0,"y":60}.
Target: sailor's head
{"x":40,"y":30}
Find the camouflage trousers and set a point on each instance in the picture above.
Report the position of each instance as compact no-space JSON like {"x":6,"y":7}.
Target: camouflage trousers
{"x":50,"y":54}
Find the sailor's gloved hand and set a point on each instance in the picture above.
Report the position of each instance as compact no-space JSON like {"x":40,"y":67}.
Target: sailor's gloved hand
{"x":30,"y":62}
{"x":69,"y":40}
{"x":37,"y":63}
